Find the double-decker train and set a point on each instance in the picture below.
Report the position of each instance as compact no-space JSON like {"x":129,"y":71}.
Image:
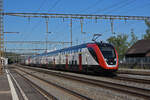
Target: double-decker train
{"x":88,"y":57}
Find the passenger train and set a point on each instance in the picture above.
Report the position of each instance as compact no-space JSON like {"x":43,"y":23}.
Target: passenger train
{"x":88,"y":57}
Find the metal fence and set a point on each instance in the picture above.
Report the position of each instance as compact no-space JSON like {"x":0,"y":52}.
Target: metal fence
{"x":136,"y":62}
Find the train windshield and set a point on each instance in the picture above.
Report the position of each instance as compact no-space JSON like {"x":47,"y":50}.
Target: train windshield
{"x":107,"y":51}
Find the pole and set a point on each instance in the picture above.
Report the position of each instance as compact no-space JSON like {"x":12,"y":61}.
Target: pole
{"x":71,"y":31}
{"x":46,"y":33}
{"x":112,"y":26}
{"x":1,"y":36}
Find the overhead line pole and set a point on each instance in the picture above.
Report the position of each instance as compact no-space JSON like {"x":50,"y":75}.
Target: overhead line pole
{"x":1,"y":36}
{"x":71,"y":31}
{"x":46,"y":33}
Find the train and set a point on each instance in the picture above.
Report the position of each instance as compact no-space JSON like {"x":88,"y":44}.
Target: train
{"x":87,"y":57}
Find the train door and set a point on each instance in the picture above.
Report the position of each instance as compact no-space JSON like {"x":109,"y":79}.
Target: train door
{"x":80,"y":61}
{"x":66,"y":61}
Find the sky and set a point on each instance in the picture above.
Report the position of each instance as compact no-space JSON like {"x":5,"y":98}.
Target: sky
{"x":34,"y":29}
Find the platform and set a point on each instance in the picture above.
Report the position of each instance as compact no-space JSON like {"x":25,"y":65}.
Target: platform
{"x":14,"y":87}
{"x":5,"y":92}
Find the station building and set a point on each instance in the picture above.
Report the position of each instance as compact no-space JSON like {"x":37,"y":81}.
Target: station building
{"x":139,"y":53}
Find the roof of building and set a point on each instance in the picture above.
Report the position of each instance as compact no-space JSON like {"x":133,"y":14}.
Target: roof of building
{"x":140,"y":47}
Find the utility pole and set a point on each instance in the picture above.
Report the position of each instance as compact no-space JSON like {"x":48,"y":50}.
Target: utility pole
{"x":71,"y":31}
{"x":1,"y":36}
{"x":46,"y":33}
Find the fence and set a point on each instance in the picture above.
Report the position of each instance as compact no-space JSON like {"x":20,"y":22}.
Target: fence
{"x":136,"y":62}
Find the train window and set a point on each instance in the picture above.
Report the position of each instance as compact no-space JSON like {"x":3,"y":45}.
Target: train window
{"x":108,"y":52}
{"x":75,"y":62}
{"x":72,"y":51}
{"x":69,"y":62}
{"x":78,"y":50}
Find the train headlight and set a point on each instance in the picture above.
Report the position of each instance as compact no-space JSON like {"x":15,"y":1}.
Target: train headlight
{"x":105,"y":59}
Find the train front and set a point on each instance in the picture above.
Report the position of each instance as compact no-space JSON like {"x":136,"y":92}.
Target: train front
{"x":106,"y":56}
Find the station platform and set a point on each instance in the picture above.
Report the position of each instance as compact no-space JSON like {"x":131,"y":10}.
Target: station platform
{"x":14,"y":87}
{"x":5,"y":92}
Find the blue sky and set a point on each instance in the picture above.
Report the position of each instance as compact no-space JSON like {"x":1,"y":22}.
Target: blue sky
{"x":35,"y":29}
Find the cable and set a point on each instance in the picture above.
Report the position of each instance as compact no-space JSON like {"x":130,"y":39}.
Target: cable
{"x":54,"y":5}
{"x":111,"y":6}
{"x":91,"y":6}
{"x":138,"y":7}
{"x":44,"y":1}
{"x":122,"y":6}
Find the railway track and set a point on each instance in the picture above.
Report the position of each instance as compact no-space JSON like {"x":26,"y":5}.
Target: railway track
{"x":143,"y":81}
{"x":130,"y":90}
{"x":47,"y":95}
{"x":79,"y":96}
{"x":134,"y":73}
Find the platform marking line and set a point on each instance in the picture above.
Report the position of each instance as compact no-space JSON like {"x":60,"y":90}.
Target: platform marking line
{"x":12,"y":88}
{"x":4,"y":92}
{"x":22,"y":92}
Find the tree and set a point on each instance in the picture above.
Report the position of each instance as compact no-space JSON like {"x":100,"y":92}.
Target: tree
{"x":134,"y":38}
{"x":121,"y":44}
{"x":147,"y":35}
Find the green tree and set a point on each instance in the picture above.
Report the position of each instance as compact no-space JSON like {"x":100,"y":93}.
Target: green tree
{"x":121,"y":44}
{"x":147,"y":35}
{"x":134,"y":38}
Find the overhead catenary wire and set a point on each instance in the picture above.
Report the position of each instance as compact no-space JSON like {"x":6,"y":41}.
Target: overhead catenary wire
{"x":91,"y":6}
{"x":140,"y":7}
{"x":54,"y":5}
{"x":42,"y":4}
{"x":118,"y":7}
{"x":111,"y":6}
{"x":29,"y":18}
{"x":121,"y":6}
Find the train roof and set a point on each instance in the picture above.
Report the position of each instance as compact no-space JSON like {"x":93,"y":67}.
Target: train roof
{"x":75,"y":48}
{"x":62,"y":50}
